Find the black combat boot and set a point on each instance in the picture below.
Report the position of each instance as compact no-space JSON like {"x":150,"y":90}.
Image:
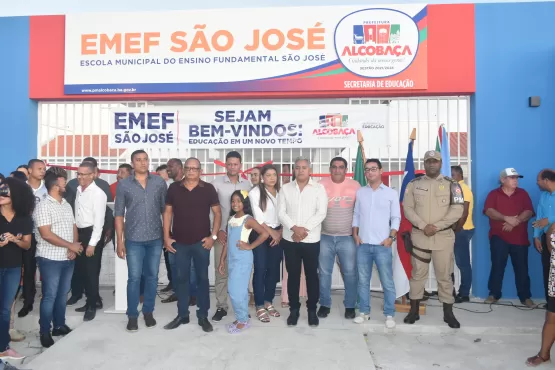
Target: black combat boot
{"x":449,"y":317}
{"x":414,"y":314}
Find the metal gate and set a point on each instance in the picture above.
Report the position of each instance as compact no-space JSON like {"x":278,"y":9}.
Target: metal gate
{"x":70,"y":131}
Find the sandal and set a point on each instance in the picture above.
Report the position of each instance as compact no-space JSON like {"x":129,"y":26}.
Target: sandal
{"x":262,"y":315}
{"x":272,"y":311}
{"x":537,"y":360}
{"x":284,"y":304}
{"x":233,"y":329}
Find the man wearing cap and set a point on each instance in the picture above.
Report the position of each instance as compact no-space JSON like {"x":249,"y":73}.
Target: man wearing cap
{"x":433,"y":204}
{"x":509,"y":208}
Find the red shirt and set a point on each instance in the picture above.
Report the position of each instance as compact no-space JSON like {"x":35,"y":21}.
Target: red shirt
{"x":191,"y":211}
{"x":113,"y":188}
{"x":512,"y":205}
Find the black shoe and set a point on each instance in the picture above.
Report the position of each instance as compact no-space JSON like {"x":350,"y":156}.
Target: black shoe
{"x":149,"y":320}
{"x":46,"y":340}
{"x":350,"y":313}
{"x":461,"y":299}
{"x":99,"y":304}
{"x":449,"y":317}
{"x":170,"y":299}
{"x":132,"y":325}
{"x":426,"y":296}
{"x":313,"y":320}
{"x":293,"y":317}
{"x":414,"y":313}
{"x":177,"y":322}
{"x":90,"y":314}
{"x":167,"y":289}
{"x":205,"y":325}
{"x":219,"y":315}
{"x":61,"y":331}
{"x":25,"y":311}
{"x":72,"y":300}
{"x":81,"y":309}
{"x":323,"y":312}
{"x":192,"y":301}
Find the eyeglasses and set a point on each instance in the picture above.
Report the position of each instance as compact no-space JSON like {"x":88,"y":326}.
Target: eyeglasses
{"x":191,"y":169}
{"x":371,"y":169}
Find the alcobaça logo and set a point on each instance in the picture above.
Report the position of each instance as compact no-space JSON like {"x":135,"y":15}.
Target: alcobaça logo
{"x":376,"y":42}
{"x":333,"y":124}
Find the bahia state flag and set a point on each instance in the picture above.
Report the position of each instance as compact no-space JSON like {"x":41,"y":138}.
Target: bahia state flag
{"x":402,"y":267}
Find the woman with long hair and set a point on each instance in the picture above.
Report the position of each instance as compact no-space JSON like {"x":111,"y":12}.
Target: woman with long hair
{"x":268,"y":256}
{"x":238,"y":251}
{"x":17,"y":203}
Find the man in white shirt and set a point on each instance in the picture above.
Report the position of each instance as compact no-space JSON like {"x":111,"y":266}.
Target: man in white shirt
{"x":90,"y":209}
{"x":57,"y":247}
{"x":303,"y":205}
{"x":37,"y":169}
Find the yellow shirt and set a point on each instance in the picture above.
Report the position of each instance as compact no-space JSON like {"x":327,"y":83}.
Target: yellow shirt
{"x":467,"y":194}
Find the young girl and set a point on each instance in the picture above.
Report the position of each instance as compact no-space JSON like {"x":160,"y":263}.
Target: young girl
{"x":240,"y":258}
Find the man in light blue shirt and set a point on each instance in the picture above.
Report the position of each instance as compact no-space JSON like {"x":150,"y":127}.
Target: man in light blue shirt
{"x":545,"y":217}
{"x":376,"y":220}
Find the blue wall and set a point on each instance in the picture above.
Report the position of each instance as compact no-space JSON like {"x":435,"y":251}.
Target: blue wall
{"x":18,"y":114}
{"x":515,"y":59}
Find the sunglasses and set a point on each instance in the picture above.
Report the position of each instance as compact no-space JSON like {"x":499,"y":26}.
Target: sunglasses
{"x":5,"y":192}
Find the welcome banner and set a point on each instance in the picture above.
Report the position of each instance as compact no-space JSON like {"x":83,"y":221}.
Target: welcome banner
{"x":237,"y":50}
{"x":278,"y":126}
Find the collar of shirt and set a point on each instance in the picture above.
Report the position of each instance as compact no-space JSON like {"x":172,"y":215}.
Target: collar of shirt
{"x":148,"y":176}
{"x":310,"y":182}
{"x":88,"y":188}
{"x":382,"y":186}
{"x":241,"y":179}
{"x":461,"y":182}
{"x":37,"y":189}
{"x":200,"y":184}
{"x":52,"y":199}
{"x":500,"y":191}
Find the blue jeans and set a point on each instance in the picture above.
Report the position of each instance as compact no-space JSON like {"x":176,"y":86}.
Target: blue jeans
{"x":462,"y":258}
{"x":267,"y":264}
{"x":500,"y":251}
{"x":9,"y":282}
{"x":184,"y":255}
{"x":143,"y":260}
{"x":192,"y":279}
{"x":345,"y":248}
{"x":56,"y":283}
{"x":367,"y":254}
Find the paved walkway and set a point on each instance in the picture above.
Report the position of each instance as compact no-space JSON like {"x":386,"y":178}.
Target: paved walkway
{"x":501,"y":339}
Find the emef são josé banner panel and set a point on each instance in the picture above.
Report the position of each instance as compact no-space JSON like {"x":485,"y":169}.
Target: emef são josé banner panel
{"x":286,"y":126}
{"x":242,"y":50}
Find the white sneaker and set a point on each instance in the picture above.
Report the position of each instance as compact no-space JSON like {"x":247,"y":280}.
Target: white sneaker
{"x":361,"y":318}
{"x":140,"y":307}
{"x":390,"y":322}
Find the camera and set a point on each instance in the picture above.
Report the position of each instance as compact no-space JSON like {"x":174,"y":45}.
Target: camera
{"x":2,"y":238}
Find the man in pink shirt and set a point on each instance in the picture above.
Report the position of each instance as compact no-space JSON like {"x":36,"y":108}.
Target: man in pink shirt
{"x":337,"y":239}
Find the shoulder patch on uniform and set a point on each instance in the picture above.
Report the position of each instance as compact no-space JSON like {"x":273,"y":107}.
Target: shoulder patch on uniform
{"x":416,"y":179}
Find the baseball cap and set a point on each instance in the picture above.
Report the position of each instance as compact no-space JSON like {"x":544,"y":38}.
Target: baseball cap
{"x":432,"y":154}
{"x":509,"y":172}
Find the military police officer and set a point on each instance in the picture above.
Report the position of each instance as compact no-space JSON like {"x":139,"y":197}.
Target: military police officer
{"x":433,"y":204}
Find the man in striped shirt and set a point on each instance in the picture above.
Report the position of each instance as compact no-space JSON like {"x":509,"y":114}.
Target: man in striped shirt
{"x":337,"y":238}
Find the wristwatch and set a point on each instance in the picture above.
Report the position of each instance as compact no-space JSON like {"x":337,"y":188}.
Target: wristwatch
{"x":214,"y":237}
{"x":393,"y":237}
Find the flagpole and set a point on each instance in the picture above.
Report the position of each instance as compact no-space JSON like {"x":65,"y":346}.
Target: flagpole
{"x":360,"y":139}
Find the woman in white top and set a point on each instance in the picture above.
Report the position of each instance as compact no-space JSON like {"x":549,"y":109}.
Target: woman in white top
{"x":268,"y":256}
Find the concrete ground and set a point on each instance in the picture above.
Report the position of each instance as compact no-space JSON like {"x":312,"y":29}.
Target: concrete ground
{"x":499,"y":337}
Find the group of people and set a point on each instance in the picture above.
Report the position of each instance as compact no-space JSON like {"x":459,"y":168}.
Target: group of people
{"x":254,"y":227}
